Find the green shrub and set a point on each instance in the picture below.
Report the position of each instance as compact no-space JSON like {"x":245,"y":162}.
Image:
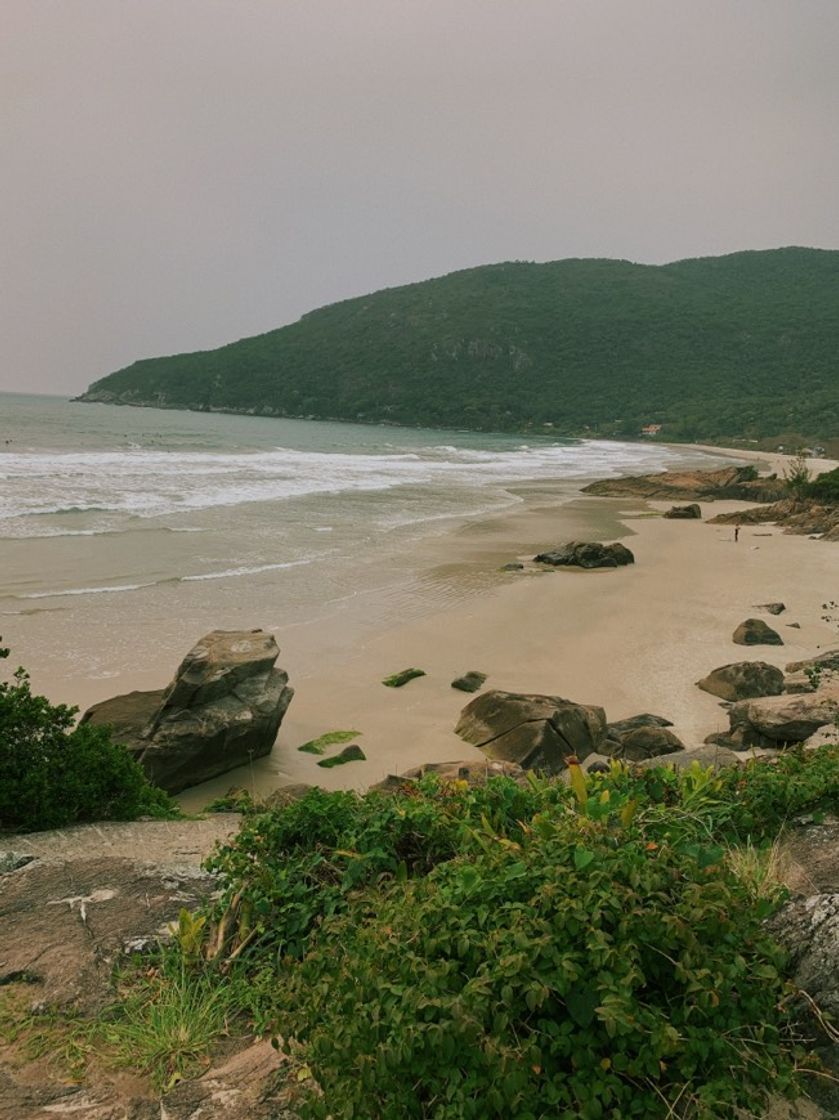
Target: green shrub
{"x":52,"y":774}
{"x":576,"y":974}
{"x":825,"y":488}
{"x":587,"y":950}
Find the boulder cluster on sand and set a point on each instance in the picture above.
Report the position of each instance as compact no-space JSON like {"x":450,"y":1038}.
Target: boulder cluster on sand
{"x":586,"y":554}
{"x":222,"y":709}
{"x":538,"y":732}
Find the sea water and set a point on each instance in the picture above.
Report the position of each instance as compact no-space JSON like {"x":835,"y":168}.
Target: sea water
{"x":126,"y":533}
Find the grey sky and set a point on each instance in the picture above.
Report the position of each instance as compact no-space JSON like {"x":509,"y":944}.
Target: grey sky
{"x":179,"y":173}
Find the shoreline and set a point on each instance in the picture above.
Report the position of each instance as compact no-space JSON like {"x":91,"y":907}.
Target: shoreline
{"x":630,"y":640}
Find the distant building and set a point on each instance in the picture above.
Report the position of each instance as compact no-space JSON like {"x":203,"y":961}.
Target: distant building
{"x":651,"y":429}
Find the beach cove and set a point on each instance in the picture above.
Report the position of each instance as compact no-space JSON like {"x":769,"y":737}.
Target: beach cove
{"x":403,"y":572}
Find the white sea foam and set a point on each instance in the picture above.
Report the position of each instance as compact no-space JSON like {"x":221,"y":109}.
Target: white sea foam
{"x":66,"y":486}
{"x":244,"y":571}
{"x":83,"y":591}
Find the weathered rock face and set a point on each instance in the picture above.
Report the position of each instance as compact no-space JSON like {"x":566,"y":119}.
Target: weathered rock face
{"x":728,"y":482}
{"x":809,"y":930}
{"x":691,"y":512}
{"x":223,"y":708}
{"x":536,"y":732}
{"x":755,"y":632}
{"x":776,"y":721}
{"x":822,"y":662}
{"x":743,"y":680}
{"x":801,"y":516}
{"x":587,"y":554}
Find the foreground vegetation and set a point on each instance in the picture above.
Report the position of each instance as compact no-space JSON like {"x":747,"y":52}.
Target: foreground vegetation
{"x":741,"y":345}
{"x":53,"y":773}
{"x":589,"y":950}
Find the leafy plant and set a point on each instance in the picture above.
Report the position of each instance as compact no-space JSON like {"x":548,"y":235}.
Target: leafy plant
{"x":573,"y":973}
{"x":52,"y":773}
{"x":797,"y":475}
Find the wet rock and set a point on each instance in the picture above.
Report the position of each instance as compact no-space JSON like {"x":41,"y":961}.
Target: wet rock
{"x":223,"y":709}
{"x":684,"y":513}
{"x":647,"y":742}
{"x":537,"y":732}
{"x":755,"y":632}
{"x":772,"y":608}
{"x":470,"y":682}
{"x":742,"y":680}
{"x":587,"y":554}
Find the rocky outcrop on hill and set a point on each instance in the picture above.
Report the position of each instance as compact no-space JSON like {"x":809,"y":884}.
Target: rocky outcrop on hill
{"x":743,"y":680}
{"x":802,"y":516}
{"x":776,"y":721}
{"x":222,"y":709}
{"x":692,"y":512}
{"x":534,"y":731}
{"x":755,"y":632}
{"x":728,"y":482}
{"x":586,"y":554}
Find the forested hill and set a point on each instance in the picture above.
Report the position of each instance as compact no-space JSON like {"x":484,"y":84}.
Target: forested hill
{"x":746,"y":344}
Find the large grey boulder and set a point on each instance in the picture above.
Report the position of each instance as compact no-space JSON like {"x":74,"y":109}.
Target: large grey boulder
{"x":776,"y":721}
{"x":222,"y":709}
{"x":586,"y":554}
{"x":536,"y":732}
{"x":755,"y":632}
{"x":743,"y":680}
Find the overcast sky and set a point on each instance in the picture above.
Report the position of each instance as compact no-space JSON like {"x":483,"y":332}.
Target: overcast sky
{"x":179,"y":173}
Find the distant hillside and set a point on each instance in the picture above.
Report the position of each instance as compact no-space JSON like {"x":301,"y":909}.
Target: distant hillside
{"x":746,"y":344}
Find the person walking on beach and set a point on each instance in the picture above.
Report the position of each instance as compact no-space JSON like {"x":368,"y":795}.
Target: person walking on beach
{"x":736,"y":533}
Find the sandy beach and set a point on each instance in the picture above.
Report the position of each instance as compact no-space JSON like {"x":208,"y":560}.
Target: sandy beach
{"x":633,"y":639}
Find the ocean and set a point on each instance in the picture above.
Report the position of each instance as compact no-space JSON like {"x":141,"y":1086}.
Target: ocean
{"x":127,"y":533}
